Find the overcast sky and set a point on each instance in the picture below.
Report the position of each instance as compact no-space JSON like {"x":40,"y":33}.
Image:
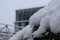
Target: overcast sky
{"x":8,"y":7}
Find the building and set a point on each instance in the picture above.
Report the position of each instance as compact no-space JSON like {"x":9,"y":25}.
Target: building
{"x":22,"y":17}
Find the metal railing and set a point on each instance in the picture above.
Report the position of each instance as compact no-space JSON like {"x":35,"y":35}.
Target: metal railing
{"x":22,"y":21}
{"x":5,"y":34}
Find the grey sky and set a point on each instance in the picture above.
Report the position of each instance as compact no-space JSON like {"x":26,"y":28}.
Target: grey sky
{"x":8,"y":7}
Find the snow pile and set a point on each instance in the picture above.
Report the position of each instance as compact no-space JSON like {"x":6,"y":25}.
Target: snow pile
{"x":50,"y":21}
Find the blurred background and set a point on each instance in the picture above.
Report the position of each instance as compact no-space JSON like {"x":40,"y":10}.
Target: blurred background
{"x":14,"y":15}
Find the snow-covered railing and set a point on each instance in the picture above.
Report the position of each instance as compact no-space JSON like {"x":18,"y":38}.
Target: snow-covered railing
{"x":5,"y":32}
{"x":5,"y":36}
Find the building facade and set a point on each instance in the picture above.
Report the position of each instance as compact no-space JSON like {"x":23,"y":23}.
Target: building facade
{"x":22,"y":17}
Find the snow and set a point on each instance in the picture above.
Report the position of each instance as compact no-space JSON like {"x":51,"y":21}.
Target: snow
{"x":52,"y":21}
{"x":55,"y":21}
{"x":48,"y":16}
{"x":21,"y":33}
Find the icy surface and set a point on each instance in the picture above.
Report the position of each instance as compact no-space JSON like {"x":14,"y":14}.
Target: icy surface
{"x":48,"y":16}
